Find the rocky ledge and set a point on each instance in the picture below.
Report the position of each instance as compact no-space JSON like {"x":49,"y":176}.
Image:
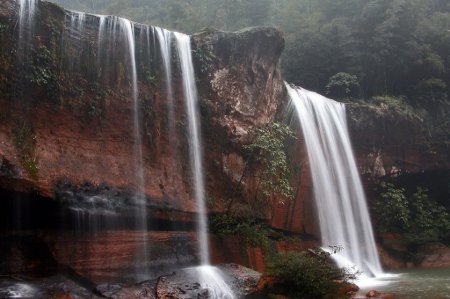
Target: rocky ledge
{"x":181,"y":284}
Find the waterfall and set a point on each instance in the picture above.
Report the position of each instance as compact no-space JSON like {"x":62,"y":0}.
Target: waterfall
{"x":27,"y":9}
{"x":123,"y":48}
{"x":210,"y":277}
{"x":165,"y":44}
{"x":343,"y":214}
{"x":118,"y":33}
{"x":127,"y":28}
{"x":195,"y":150}
{"x":77,"y":20}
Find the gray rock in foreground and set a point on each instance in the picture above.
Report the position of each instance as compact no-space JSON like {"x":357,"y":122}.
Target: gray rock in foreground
{"x":196,"y":282}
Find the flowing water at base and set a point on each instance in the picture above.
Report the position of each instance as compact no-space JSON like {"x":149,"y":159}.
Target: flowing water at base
{"x":413,"y":284}
{"x":212,"y":279}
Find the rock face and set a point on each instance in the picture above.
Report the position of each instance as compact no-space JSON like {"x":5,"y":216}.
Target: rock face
{"x":67,"y":139}
{"x":76,"y":128}
{"x":436,"y":257}
{"x":245,"y":81}
{"x":387,"y":144}
{"x":404,"y":150}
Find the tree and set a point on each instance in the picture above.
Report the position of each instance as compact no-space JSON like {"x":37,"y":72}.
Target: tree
{"x":343,"y":85}
{"x":417,"y":218}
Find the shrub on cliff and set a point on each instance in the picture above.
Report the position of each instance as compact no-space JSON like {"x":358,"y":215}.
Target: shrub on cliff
{"x":306,"y":275}
{"x":249,"y":231}
{"x":266,"y":170}
{"x":417,"y":218}
{"x":267,"y":151}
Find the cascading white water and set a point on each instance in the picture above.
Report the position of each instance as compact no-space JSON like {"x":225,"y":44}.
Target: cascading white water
{"x":126,"y":27}
{"x":27,"y":9}
{"x":210,"y":277}
{"x":190,"y":93}
{"x":116,"y":32}
{"x":340,"y":200}
{"x":77,"y":20}
{"x":165,"y":44}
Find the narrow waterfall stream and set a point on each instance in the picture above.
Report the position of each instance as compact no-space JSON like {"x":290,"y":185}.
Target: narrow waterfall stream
{"x":126,"y":26}
{"x":27,"y":10}
{"x":196,"y":155}
{"x":340,"y":200}
{"x":26,"y":24}
{"x":165,"y":44}
{"x":210,"y":277}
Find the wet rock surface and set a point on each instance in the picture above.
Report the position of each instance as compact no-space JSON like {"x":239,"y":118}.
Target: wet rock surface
{"x":80,"y":131}
{"x":244,"y":281}
{"x":186,"y":283}
{"x":435,"y":256}
{"x":54,"y":287}
{"x":387,"y":145}
{"x":374,"y":294}
{"x":145,"y":290}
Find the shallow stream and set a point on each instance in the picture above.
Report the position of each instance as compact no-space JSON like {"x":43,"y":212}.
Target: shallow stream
{"x":414,"y":284}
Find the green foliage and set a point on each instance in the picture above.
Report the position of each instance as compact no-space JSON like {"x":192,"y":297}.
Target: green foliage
{"x":397,"y":107}
{"x":250,"y":232}
{"x":267,"y":150}
{"x":151,"y":78}
{"x":25,"y":142}
{"x":39,"y":69}
{"x":3,"y":28}
{"x":204,"y":58}
{"x":342,"y":85}
{"x":393,"y":208}
{"x":92,"y":99}
{"x":385,"y":111}
{"x":417,"y":218}
{"x":41,"y":74}
{"x":433,"y":91}
{"x":430,"y":221}
{"x":306,"y":275}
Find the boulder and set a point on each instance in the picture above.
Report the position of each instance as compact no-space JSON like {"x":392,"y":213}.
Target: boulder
{"x":143,"y":290}
{"x":205,"y":282}
{"x":347,"y":289}
{"x":372,"y":293}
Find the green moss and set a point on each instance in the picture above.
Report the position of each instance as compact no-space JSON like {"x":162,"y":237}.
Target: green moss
{"x":249,"y":232}
{"x":204,"y":58}
{"x":94,"y":104}
{"x":25,"y":142}
{"x":3,"y":28}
